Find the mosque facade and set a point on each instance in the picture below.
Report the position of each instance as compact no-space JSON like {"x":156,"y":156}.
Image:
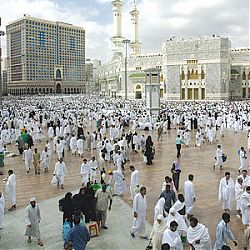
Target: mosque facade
{"x":202,"y":68}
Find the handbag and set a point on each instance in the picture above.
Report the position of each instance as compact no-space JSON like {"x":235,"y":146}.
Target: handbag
{"x":149,"y":246}
{"x":54,"y":180}
{"x":224,"y":157}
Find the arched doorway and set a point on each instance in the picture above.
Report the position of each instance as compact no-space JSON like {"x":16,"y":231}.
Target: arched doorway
{"x":138,"y":94}
{"x":58,"y":88}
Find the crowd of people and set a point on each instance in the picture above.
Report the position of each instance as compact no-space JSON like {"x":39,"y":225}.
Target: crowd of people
{"x":113,"y":130}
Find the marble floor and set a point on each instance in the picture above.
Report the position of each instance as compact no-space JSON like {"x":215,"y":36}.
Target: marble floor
{"x":198,"y":161}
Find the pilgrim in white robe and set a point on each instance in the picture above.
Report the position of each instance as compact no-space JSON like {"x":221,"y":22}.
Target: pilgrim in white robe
{"x":226,"y":192}
{"x":85,"y":169}
{"x":80,"y":146}
{"x":60,"y":148}
{"x":73,"y":145}
{"x":239,"y":189}
{"x":93,"y":165}
{"x":173,"y":239}
{"x":245,"y":207}
{"x":50,"y":133}
{"x":199,"y":233}
{"x":60,"y":172}
{"x":120,"y":183}
{"x":134,"y":181}
{"x":11,"y":190}
{"x":243,"y":160}
{"x":157,"y":232}
{"x":45,"y":160}
{"x":140,"y":207}
{"x":159,"y":208}
{"x":33,"y":218}
{"x":175,"y":216}
{"x":27,"y":157}
{"x":2,"y":202}
{"x":189,"y":195}
{"x":218,"y":155}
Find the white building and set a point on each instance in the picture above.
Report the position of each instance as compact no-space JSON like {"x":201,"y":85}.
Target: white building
{"x":190,"y":69}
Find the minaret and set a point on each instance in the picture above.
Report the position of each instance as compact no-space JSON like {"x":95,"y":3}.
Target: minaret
{"x":135,"y":45}
{"x":117,"y":38}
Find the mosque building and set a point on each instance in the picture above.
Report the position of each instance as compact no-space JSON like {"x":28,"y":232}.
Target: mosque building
{"x":203,"y":68}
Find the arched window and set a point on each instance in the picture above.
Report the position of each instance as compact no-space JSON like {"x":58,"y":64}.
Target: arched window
{"x":58,"y":74}
{"x":244,"y":75}
{"x":138,"y":87}
{"x":182,"y":75}
{"x":202,"y":74}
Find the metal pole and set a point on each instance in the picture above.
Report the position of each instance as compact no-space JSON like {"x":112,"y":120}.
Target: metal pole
{"x":126,"y":73}
{"x":126,"y":41}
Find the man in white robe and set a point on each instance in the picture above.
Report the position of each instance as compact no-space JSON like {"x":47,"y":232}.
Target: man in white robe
{"x":27,"y":157}
{"x":50,"y":132}
{"x":73,"y":145}
{"x":134,"y":181}
{"x":243,"y":159}
{"x":198,"y":236}
{"x":33,"y":218}
{"x":11,"y":190}
{"x":226,"y":191}
{"x":140,"y":210}
{"x":239,"y":189}
{"x":80,"y":146}
{"x":189,"y":194}
{"x":172,"y":237}
{"x":59,"y":148}
{"x":245,"y":206}
{"x":119,"y":160}
{"x":93,"y":165}
{"x":60,"y":172}
{"x":2,"y":202}
{"x":120,"y":184}
{"x":45,"y":160}
{"x":218,"y":156}
{"x":85,"y":169}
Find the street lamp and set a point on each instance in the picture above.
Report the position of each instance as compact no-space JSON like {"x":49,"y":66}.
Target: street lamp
{"x":1,"y":85}
{"x":126,"y":42}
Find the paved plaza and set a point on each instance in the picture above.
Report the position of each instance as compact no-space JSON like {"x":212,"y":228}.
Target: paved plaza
{"x":198,"y":161}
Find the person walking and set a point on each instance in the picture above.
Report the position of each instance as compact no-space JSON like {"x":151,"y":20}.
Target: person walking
{"x":176,"y":171}
{"x":11,"y":189}
{"x":149,"y":150}
{"x":218,"y":157}
{"x":78,"y":235}
{"x":222,"y":232}
{"x":178,"y":142}
{"x":140,"y":210}
{"x":36,"y":161}
{"x":60,"y":172}
{"x":33,"y":218}
{"x":103,"y":197}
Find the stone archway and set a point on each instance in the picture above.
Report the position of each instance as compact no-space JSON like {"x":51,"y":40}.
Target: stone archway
{"x":58,"y":88}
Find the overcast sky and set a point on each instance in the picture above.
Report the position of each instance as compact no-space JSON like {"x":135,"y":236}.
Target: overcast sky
{"x":159,"y":19}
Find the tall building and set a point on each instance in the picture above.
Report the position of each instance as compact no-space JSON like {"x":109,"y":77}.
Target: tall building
{"x":45,"y":57}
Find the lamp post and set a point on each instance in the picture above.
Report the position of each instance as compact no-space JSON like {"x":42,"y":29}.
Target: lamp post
{"x":126,"y":42}
{"x":1,"y":84}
